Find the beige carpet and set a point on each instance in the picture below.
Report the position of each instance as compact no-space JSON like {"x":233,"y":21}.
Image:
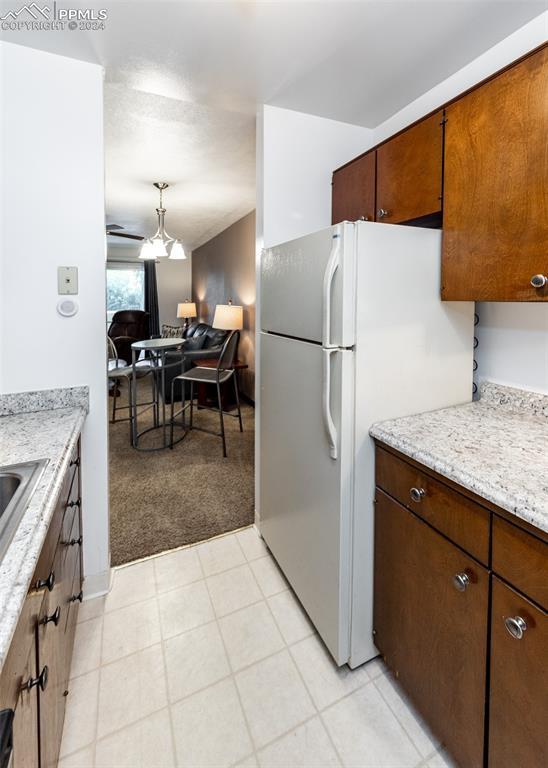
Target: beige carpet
{"x":164,"y":499}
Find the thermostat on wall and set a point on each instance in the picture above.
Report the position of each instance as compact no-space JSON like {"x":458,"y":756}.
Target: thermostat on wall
{"x":67,"y":307}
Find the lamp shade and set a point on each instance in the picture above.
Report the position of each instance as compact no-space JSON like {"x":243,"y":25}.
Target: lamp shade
{"x":228,"y":317}
{"x":177,"y":251}
{"x":147,"y":251}
{"x":186,"y":309}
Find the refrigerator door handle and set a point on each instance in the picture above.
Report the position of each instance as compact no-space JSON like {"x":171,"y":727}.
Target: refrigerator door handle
{"x":332,"y":266}
{"x":326,"y":403}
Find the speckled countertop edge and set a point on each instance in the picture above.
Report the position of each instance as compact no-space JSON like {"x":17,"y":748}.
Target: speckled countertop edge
{"x":44,"y":400}
{"x":503,"y":406}
{"x":19,"y":562}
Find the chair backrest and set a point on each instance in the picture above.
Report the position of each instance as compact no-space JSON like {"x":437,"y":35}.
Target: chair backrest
{"x":130,"y":322}
{"x":112,"y":354}
{"x":228,"y":352}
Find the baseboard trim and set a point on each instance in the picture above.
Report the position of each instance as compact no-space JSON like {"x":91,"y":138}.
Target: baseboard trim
{"x":97,"y":584}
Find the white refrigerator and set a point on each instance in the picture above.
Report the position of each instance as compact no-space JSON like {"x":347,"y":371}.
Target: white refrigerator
{"x":352,"y":331}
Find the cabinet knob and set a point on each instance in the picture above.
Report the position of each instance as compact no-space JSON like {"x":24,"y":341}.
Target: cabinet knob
{"x":74,"y":542}
{"x":417,"y":494}
{"x":461,"y":581}
{"x":74,"y":503}
{"x":49,"y":582}
{"x":75,"y":462}
{"x":54,"y":618}
{"x":382,"y":212}
{"x":77,"y":598}
{"x":515,"y":626}
{"x":364,"y":218}
{"x":41,"y":681}
{"x":539,"y":281}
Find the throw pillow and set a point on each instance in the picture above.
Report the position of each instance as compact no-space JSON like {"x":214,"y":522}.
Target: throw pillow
{"x":194,"y":343}
{"x":172,"y":332}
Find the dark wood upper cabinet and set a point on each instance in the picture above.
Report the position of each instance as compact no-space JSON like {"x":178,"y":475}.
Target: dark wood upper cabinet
{"x":519,"y":681}
{"x":409,"y":173}
{"x":353,"y":195}
{"x":495,"y":217}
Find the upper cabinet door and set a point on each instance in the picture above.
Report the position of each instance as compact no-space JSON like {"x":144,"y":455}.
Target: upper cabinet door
{"x":409,"y":173}
{"x":495,"y":217}
{"x":353,"y":196}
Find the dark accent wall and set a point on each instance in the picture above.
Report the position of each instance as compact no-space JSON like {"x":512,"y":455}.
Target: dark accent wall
{"x":222,"y":269}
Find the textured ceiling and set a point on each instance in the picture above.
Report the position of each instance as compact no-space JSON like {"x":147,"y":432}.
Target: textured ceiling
{"x":183,"y":81}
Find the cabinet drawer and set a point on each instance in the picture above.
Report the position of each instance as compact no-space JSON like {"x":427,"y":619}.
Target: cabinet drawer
{"x":521,"y":559}
{"x":22,"y":644}
{"x":519,"y":682}
{"x":457,"y":517}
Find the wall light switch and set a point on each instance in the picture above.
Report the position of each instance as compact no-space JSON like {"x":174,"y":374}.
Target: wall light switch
{"x":67,"y":280}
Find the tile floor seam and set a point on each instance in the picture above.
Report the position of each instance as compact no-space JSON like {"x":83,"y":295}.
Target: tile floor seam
{"x":171,"y":728}
{"x":233,"y":678}
{"x":300,"y":724}
{"x":129,"y":605}
{"x":383,"y":697}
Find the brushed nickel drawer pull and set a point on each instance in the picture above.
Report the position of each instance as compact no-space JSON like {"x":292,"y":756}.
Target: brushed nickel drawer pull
{"x":539,"y":281}
{"x":417,"y":494}
{"x":382,"y":212}
{"x":461,"y":581}
{"x":515,"y":626}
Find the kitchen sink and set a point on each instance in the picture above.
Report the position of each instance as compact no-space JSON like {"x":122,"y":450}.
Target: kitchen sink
{"x":17,"y":484}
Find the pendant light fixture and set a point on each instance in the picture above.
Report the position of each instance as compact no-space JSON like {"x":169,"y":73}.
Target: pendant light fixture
{"x":157,"y":246}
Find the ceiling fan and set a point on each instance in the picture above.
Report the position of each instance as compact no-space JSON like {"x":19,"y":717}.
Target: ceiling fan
{"x":114,"y":230}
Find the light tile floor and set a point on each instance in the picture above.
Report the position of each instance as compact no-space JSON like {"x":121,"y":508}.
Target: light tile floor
{"x":202,"y":657}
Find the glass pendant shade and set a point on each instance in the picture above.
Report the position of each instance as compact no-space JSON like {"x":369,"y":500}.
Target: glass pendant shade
{"x":147,"y":251}
{"x":177,"y":251}
{"x":158,"y":247}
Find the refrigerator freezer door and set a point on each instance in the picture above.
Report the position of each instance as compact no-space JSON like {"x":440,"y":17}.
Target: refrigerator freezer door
{"x":307,"y":287}
{"x":305,"y":493}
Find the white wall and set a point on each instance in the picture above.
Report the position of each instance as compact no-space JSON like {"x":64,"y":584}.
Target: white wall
{"x":174,"y":280}
{"x":513,"y":338}
{"x":52,"y":183}
{"x":297,"y":156}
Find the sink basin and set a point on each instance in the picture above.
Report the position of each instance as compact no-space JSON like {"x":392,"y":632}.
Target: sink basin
{"x":17,"y":484}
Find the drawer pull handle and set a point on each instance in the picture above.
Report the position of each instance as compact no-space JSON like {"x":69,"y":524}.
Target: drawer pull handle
{"x":382,"y":212}
{"x":74,"y":503}
{"x":515,"y":626}
{"x":539,"y":281}
{"x":54,"y":618}
{"x":461,"y":581}
{"x":77,"y":598}
{"x":74,"y":542}
{"x":417,"y":494}
{"x":41,"y":681}
{"x":49,"y":582}
{"x":75,"y":462}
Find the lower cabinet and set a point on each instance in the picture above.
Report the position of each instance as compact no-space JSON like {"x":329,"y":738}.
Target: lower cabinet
{"x":431,"y":625}
{"x":468,"y":640}
{"x":35,"y":677}
{"x":518,"y":705}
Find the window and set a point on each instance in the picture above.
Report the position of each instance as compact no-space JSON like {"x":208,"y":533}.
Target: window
{"x":125,"y":287}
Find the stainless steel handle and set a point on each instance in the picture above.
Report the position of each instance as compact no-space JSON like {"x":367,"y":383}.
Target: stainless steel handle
{"x":332,"y":266}
{"x":461,"y":581}
{"x":539,"y":281}
{"x":329,"y":424}
{"x":417,"y":494}
{"x":515,"y":626}
{"x":382,"y":212}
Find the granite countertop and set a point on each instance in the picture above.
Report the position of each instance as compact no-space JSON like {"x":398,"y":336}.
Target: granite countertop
{"x":496,"y":447}
{"x":49,"y":432}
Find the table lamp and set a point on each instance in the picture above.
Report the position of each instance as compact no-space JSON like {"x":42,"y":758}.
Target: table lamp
{"x":228,"y":317}
{"x":186,"y":309}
